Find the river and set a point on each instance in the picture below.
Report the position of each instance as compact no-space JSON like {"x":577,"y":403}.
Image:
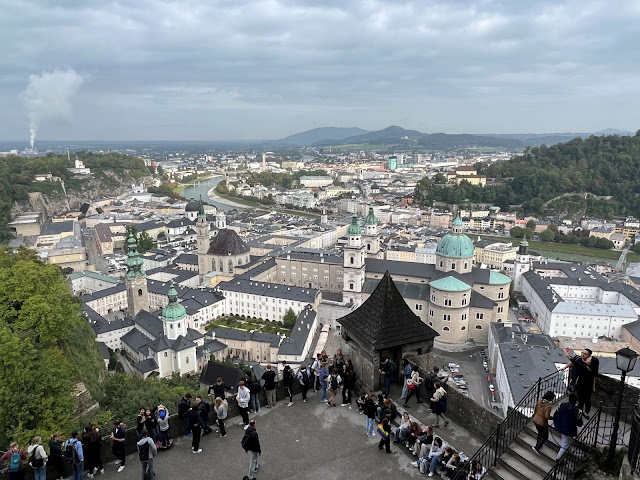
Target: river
{"x":202,"y":188}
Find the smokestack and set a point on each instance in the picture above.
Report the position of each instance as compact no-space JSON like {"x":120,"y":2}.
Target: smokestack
{"x":33,"y":137}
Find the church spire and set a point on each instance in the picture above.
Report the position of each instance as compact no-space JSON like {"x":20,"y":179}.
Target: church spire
{"x":133,"y":262}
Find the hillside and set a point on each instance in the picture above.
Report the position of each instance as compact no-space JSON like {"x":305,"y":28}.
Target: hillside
{"x":444,"y":141}
{"x":112,"y":172}
{"x":392,"y":134}
{"x":319,"y":134}
{"x":602,"y":166}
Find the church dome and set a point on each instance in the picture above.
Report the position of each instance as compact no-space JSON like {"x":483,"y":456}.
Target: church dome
{"x":456,"y":244}
{"x":371,"y":218}
{"x":354,"y":228}
{"x":174,"y":311}
{"x":192,"y":205}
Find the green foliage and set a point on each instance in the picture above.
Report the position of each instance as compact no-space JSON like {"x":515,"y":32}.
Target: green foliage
{"x":531,"y":224}
{"x":547,"y":235}
{"x":145,"y":242}
{"x":289,"y":318}
{"x":528,"y":233}
{"x":166,"y":189}
{"x":517,"y":232}
{"x":46,"y":346}
{"x":602,"y":166}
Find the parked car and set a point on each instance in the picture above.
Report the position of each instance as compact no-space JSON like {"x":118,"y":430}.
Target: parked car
{"x":492,"y":388}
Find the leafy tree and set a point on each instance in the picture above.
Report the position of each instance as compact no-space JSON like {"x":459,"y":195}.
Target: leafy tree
{"x":160,"y":170}
{"x":547,"y":235}
{"x":528,"y":233}
{"x":604,"y":243}
{"x":554,"y":228}
{"x":531,"y":224}
{"x":517,"y":232}
{"x":439,"y":178}
{"x":289,"y":318}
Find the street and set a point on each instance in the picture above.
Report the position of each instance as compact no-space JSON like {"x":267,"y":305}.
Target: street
{"x":93,"y":256}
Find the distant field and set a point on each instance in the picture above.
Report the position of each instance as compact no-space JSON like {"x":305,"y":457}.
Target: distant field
{"x":570,"y":252}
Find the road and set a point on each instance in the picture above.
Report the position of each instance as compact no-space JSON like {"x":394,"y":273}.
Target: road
{"x":94,"y":257}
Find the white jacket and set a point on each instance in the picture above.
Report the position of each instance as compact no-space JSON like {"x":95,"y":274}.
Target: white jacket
{"x":243,"y":397}
{"x":40,"y":452}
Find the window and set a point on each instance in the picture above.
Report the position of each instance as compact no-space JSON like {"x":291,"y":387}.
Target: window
{"x":446,"y":318}
{"x":463,"y":328}
{"x":440,"y":263}
{"x":166,"y":354}
{"x":368,"y":246}
{"x":351,"y":286}
{"x":453,"y":266}
{"x":500,"y":309}
{"x":139,"y":292}
{"x":445,"y":329}
{"x":351,"y":260}
{"x":433,"y":298}
{"x":466,"y":265}
{"x":500,"y":294}
{"x":478,"y":327}
{"x":418,"y":306}
{"x":431,"y":313}
{"x":479,"y":316}
{"x":464,"y":301}
{"x":447,"y":302}
{"x":463,"y":316}
{"x":187,"y":361}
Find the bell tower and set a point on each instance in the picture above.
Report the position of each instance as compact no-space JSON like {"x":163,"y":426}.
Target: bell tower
{"x":202,"y":240}
{"x":135,"y":279}
{"x":522,"y":264}
{"x":371,"y":237}
{"x":354,"y":273}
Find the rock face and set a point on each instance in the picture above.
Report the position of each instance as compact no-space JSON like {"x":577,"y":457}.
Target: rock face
{"x":84,"y":191}
{"x":86,"y":405}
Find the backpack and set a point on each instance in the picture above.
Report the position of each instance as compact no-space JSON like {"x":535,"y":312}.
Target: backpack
{"x":392,"y":367}
{"x":305,"y":377}
{"x":70,"y":452}
{"x":244,"y":441}
{"x":14,"y":463}
{"x":334,"y":383}
{"x":35,"y":462}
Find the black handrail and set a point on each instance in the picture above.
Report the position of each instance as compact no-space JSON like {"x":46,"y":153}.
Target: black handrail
{"x":515,"y":422}
{"x":575,"y":455}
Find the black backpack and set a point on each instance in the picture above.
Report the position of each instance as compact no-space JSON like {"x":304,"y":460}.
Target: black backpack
{"x":70,"y":452}
{"x":305,"y":377}
{"x":36,"y":462}
{"x":334,"y":383}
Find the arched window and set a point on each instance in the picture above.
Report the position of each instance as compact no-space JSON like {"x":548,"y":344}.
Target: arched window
{"x":478,"y":327}
{"x":187,"y":361}
{"x":213,"y":264}
{"x":352,"y":260}
{"x":453,"y":266}
{"x":464,"y":301}
{"x":368,"y":246}
{"x":230,"y":266}
{"x":463,"y":328}
{"x":139,"y":292}
{"x":466,"y":265}
{"x":445,"y":329}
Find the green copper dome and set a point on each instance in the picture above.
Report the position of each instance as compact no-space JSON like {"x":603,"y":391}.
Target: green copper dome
{"x":450,"y":284}
{"x":457,"y":222}
{"x":354,"y":228}
{"x":133,"y":262}
{"x":456,"y":245}
{"x":174,"y":311}
{"x":371,"y":218}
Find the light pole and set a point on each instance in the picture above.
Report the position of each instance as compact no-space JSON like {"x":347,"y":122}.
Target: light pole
{"x":625,"y":361}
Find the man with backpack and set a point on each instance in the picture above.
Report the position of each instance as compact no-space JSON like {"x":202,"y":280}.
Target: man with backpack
{"x":305,"y":378}
{"x":269,"y":378}
{"x":203,"y":411}
{"x":287,"y":376}
{"x":183,"y":408}
{"x":334,"y":387}
{"x":251,"y":445}
{"x":38,"y":459}
{"x":17,"y":459}
{"x":146,"y":451}
{"x":74,"y":454}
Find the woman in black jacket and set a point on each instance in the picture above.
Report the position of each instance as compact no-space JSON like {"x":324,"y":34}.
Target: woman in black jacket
{"x":56,"y":459}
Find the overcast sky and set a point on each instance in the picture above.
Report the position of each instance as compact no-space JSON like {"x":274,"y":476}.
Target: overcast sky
{"x":234,"y":69}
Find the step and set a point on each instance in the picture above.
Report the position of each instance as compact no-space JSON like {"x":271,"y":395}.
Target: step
{"x":520,"y":469}
{"x":554,"y":436}
{"x":500,"y":473}
{"x":535,"y":461}
{"x":549,"y":449}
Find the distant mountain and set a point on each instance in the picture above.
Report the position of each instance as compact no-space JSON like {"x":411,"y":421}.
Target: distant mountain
{"x":392,"y":134}
{"x":444,"y":141}
{"x":320,"y":134}
{"x":548,"y":139}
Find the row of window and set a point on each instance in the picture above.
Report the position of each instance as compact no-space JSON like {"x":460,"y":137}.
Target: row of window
{"x":462,"y":328}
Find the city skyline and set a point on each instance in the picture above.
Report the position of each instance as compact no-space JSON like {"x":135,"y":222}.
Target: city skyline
{"x":244,"y":70}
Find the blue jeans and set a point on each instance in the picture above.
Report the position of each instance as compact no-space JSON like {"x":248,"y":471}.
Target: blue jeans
{"x":401,"y":434}
{"x":370,"y":423}
{"x":40,"y":473}
{"x":147,"y":464}
{"x":434,"y":463}
{"x":187,"y":426}
{"x":323,"y":391}
{"x":164,"y":437}
{"x":253,"y":464}
{"x":405,"y":388}
{"x":78,"y":467}
{"x":565,"y":443}
{"x":255,"y":402}
{"x":387,"y":386}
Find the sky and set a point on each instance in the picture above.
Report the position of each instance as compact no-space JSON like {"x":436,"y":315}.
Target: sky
{"x":236,"y":69}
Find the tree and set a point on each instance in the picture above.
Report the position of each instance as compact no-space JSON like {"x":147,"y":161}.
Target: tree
{"x":439,"y":178}
{"x":160,"y":170}
{"x":554,"y":228}
{"x":531,"y":224}
{"x":517,"y":232}
{"x":528,"y":233}
{"x":604,"y":243}
{"x":289,"y":318}
{"x":547,"y":235}
{"x":145,"y":242}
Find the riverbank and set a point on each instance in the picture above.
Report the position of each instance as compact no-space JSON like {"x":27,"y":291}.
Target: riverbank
{"x":182,"y":186}
{"x":234,"y":201}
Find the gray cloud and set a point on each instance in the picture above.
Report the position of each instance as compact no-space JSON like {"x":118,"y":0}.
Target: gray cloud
{"x":165,"y":69}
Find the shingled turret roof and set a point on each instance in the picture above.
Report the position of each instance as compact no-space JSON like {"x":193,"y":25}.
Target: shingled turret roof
{"x":385,"y":320}
{"x":227,"y":242}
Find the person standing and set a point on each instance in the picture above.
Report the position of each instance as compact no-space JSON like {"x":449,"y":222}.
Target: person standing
{"x":151,"y":423}
{"x":370,"y":407}
{"x":587,"y":366}
{"x":384,"y":430}
{"x":251,"y":445}
{"x":541,"y":417}
{"x":334,"y":387}
{"x":406,"y":375}
{"x":38,"y":459}
{"x":16,"y":459}
{"x":348,"y":384}
{"x":118,"y":437}
{"x":183,"y":410}
{"x":413,"y":386}
{"x":304,"y":377}
{"x":146,"y":451}
{"x":243,"y":402}
{"x":140,"y":419}
{"x":78,"y":455}
{"x":203,"y":412}
{"x":218,"y":389}
{"x":194,"y":424}
{"x":387,"y":370}
{"x":222,"y":408}
{"x":287,"y":377}
{"x":323,"y":375}
{"x":163,"y":425}
{"x":55,"y":455}
{"x":269,"y":378}
{"x":92,"y":441}
{"x":439,"y":400}
{"x":254,"y":390}
{"x":339,"y":362}
{"x":315,"y":368}
{"x":566,"y":420}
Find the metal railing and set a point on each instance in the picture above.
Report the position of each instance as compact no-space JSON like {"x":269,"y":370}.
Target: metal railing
{"x":576,"y":454}
{"x":514,"y":423}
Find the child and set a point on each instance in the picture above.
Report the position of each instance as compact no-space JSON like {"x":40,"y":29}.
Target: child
{"x":163,"y":425}
{"x":362,"y":397}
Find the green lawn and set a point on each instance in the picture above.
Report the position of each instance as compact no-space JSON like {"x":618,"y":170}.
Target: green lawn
{"x":248,"y":324}
{"x":562,"y":248}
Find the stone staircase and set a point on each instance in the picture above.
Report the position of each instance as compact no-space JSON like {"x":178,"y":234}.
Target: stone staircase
{"x":521,"y":462}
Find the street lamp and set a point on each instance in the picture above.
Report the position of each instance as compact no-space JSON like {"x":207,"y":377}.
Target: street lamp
{"x":625,"y":361}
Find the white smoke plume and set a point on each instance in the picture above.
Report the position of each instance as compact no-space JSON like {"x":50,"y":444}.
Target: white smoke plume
{"x":48,"y":97}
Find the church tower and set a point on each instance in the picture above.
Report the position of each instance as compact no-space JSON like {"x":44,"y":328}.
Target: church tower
{"x":135,"y":279}
{"x":522,"y":264}
{"x":174,"y":316}
{"x":354,"y":254}
{"x":371,"y":237}
{"x":202,"y":240}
